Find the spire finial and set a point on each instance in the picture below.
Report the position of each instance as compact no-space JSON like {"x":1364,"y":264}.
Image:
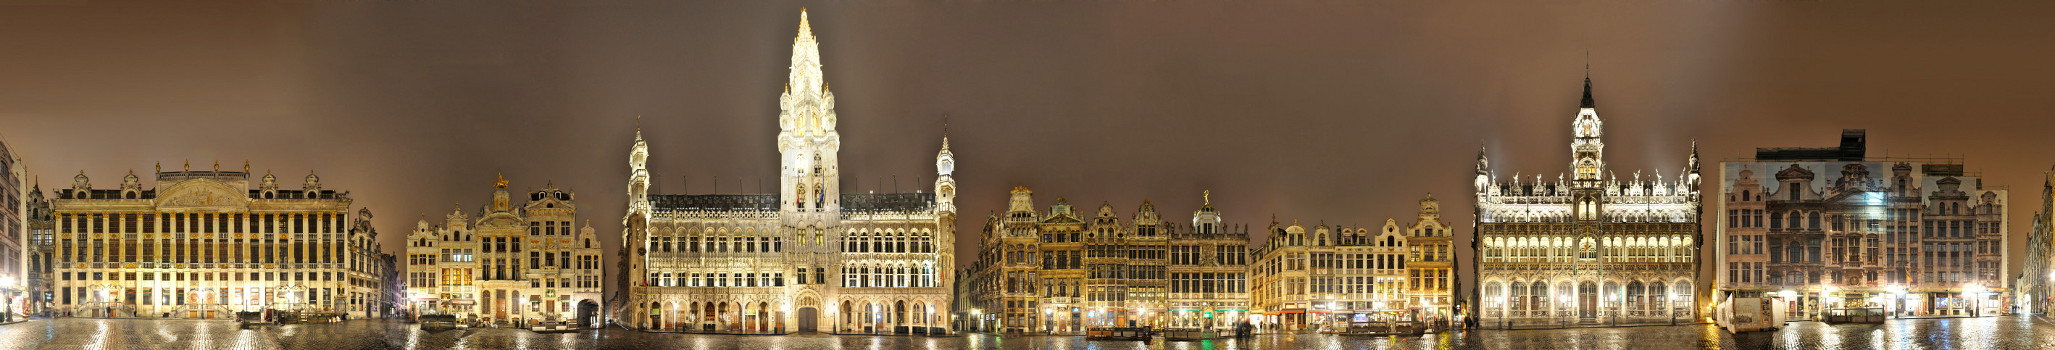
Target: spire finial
{"x":1588,"y":102}
{"x":502,"y":183}
{"x":1206,"y":196}
{"x":189,"y":165}
{"x":805,"y":30}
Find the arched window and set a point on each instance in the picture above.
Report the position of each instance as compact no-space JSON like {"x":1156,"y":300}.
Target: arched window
{"x":1494,"y":294}
{"x":1812,"y":221}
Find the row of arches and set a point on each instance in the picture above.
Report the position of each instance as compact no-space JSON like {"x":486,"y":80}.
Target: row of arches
{"x":1585,"y":299}
{"x":909,"y":315}
{"x":887,"y":316}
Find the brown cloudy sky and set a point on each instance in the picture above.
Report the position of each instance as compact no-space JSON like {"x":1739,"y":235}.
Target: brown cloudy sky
{"x":1341,"y":112}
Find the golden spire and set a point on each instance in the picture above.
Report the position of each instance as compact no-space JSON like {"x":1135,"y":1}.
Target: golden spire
{"x":189,"y":165}
{"x":502,"y":183}
{"x":805,"y":30}
{"x":217,"y":165}
{"x":246,"y":166}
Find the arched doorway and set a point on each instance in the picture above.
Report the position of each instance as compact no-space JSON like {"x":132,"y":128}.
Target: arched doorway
{"x":1587,"y":301}
{"x":848,"y":316}
{"x":898,"y":317}
{"x":656,"y":315}
{"x":808,"y":314}
{"x":725,"y":321}
{"x":707,"y":320}
{"x":763,"y":317}
{"x":809,"y":320}
{"x":588,"y":313}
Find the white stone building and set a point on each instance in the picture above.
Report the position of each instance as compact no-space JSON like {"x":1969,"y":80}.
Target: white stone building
{"x":1587,"y":248}
{"x":807,"y":258}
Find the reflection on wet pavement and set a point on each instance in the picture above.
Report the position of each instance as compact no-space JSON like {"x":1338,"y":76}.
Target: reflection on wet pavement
{"x":2011,"y":332}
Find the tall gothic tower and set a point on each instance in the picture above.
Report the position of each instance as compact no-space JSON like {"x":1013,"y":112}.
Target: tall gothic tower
{"x":807,"y":140}
{"x":635,"y":224}
{"x":945,"y":212}
{"x":1587,"y":150}
{"x":1587,"y":154}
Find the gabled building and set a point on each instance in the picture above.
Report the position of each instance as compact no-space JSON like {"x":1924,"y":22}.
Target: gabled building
{"x":1056,"y":272}
{"x":1335,"y":277}
{"x":512,"y":265}
{"x":1828,"y":228}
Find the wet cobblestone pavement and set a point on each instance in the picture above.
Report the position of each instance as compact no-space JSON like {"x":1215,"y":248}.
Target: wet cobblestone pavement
{"x":2012,"y":332}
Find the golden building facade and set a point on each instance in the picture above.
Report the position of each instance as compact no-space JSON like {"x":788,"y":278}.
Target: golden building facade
{"x":1330,"y":278}
{"x":1057,"y":272}
{"x":510,"y":265}
{"x":202,"y":244}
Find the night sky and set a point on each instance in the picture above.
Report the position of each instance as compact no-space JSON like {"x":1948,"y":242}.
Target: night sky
{"x":1317,"y":111}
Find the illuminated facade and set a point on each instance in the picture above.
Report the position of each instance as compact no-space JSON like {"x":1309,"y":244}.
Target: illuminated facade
{"x":2037,"y":280}
{"x":1057,"y":272}
{"x":1209,"y":273}
{"x":1588,"y":248}
{"x":15,"y":248}
{"x":202,"y":244}
{"x":42,"y":252}
{"x":804,"y":259}
{"x":1430,"y":263}
{"x":1827,"y":228}
{"x":1333,"y":277}
{"x":524,"y":264}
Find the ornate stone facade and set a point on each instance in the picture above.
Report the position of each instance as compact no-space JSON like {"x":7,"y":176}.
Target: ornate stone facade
{"x":1828,"y":228}
{"x":1590,"y":248}
{"x":1335,"y":277}
{"x":1056,"y":272}
{"x":2033,"y":287}
{"x":202,"y":244}
{"x":524,"y":265}
{"x":15,"y":251}
{"x":807,"y":258}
